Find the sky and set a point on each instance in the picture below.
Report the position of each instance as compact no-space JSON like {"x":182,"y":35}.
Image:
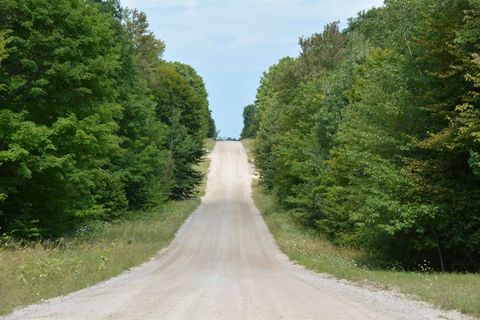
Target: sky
{"x":232,"y":42}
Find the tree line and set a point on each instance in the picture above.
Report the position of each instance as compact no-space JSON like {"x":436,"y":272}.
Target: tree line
{"x":93,"y":122}
{"x":371,"y":136}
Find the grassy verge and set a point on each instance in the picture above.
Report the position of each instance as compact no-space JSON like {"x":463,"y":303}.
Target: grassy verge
{"x":45,"y":270}
{"x":209,"y":144}
{"x":446,"y":290}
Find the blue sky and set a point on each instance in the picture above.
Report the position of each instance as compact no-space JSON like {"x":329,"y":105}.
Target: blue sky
{"x":231,"y":43}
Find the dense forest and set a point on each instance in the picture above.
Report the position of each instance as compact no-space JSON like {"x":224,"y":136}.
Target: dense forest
{"x":371,"y":136}
{"x":94,"y":124}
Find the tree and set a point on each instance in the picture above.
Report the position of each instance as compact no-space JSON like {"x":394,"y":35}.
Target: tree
{"x":148,"y":50}
{"x":212,"y":132}
{"x":249,"y":125}
{"x":322,"y":52}
{"x":446,"y":48}
{"x":180,"y":102}
{"x":292,"y":94}
{"x":467,"y":121}
{"x":59,"y":116}
{"x":275,"y":92}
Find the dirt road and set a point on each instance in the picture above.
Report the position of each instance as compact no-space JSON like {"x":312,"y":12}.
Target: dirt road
{"x":224,"y":264}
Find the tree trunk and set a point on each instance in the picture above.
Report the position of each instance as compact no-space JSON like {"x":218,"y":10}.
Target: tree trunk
{"x":439,"y":250}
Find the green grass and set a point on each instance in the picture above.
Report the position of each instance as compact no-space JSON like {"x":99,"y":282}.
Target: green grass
{"x":446,"y":290}
{"x":248,"y":144}
{"x":44,"y":270}
{"x":209,"y":144}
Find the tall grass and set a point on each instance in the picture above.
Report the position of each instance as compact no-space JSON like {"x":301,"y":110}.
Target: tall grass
{"x":97,"y":252}
{"x":308,"y":248}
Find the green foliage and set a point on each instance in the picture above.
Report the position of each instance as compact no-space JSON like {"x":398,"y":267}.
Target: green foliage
{"x":147,"y":49}
{"x":449,"y":145}
{"x":370,"y":198}
{"x":212,"y":132}
{"x":275,"y":91}
{"x":60,"y":140}
{"x":181,"y":102}
{"x":371,"y":135}
{"x":249,"y":125}
{"x":290,"y":95}
{"x":4,"y":39}
{"x":85,"y":127}
{"x":322,"y":51}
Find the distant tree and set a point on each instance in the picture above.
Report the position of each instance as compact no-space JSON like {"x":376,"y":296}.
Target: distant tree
{"x":249,"y":125}
{"x":212,"y":132}
{"x":181,"y":103}
{"x":148,"y":50}
{"x":324,"y":51}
